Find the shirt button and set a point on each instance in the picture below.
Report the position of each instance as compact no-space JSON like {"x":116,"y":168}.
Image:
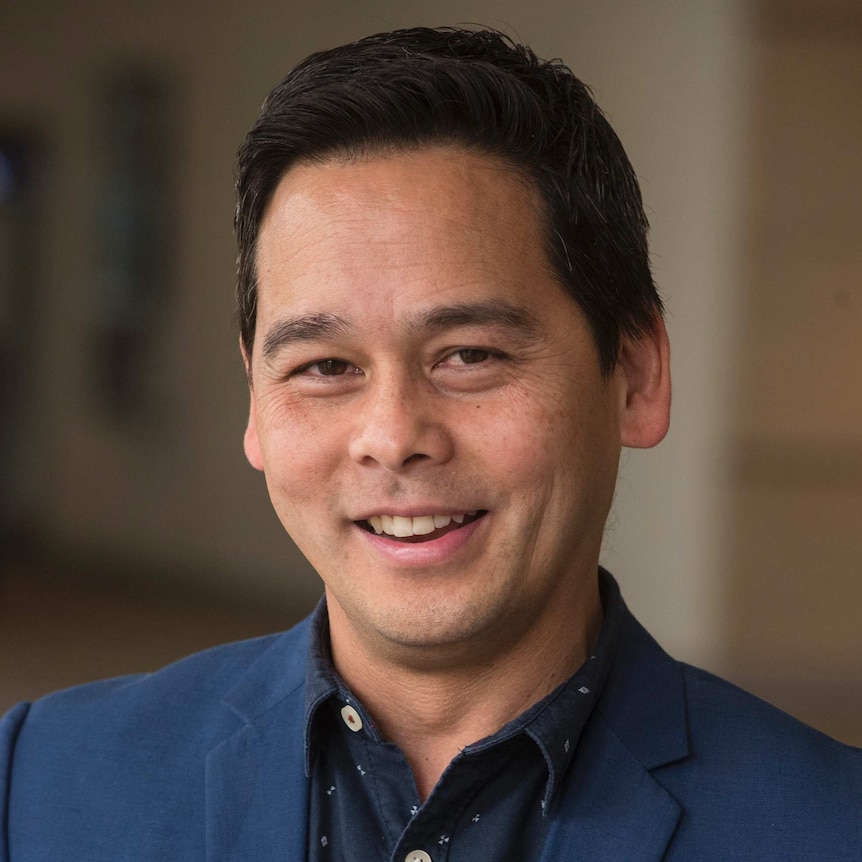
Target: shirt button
{"x":417,"y":856}
{"x":351,"y":717}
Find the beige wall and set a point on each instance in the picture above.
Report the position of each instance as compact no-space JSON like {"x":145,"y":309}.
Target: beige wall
{"x":792,"y":616}
{"x":175,"y":493}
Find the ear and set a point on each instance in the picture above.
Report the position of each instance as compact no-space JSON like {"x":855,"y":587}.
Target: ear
{"x":645,"y":367}
{"x":250,"y":442}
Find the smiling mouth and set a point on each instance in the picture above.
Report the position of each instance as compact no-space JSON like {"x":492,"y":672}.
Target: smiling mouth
{"x":420,"y":529}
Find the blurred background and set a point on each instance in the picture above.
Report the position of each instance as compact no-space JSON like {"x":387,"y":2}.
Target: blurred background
{"x":134,"y":532}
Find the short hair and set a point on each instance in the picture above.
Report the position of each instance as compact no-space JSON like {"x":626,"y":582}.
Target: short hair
{"x":478,"y":90}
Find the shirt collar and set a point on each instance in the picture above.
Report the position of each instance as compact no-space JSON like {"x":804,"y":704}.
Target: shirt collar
{"x":559,"y":719}
{"x":554,"y":723}
{"x":321,"y":680}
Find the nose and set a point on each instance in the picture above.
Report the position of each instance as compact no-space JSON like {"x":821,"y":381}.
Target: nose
{"x":400,"y":426}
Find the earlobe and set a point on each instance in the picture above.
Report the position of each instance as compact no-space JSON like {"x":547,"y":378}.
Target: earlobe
{"x":250,"y":442}
{"x":645,"y":366}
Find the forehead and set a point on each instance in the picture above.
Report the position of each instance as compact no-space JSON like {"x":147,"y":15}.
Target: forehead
{"x":435,"y":174}
{"x":412,"y":227}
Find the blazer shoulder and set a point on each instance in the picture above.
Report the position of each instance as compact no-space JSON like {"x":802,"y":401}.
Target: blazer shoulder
{"x":759,"y":779}
{"x":751,"y":781}
{"x":191,"y":691}
{"x":652,"y":696}
{"x":124,"y":762}
{"x":718,"y":709}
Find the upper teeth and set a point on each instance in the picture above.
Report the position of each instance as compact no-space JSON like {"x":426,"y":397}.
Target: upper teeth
{"x":401,"y":527}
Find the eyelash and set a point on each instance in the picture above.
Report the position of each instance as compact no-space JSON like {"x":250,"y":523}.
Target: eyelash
{"x":319,"y":362}
{"x":486,"y":354}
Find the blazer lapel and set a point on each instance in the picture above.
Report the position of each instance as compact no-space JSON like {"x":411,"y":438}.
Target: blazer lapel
{"x":612,"y":809}
{"x":256,"y":787}
{"x":612,"y":806}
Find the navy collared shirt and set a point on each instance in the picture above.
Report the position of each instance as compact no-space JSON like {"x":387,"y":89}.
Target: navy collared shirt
{"x":492,"y":802}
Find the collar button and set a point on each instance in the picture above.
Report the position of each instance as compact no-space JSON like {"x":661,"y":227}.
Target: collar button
{"x":351,"y":718}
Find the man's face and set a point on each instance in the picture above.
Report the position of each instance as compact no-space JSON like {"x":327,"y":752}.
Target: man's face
{"x":418,"y":370}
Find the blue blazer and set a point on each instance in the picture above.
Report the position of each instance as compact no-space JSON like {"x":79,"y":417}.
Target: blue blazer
{"x":204,"y":761}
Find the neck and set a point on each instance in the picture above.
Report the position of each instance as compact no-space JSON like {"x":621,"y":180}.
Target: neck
{"x":434,"y":706}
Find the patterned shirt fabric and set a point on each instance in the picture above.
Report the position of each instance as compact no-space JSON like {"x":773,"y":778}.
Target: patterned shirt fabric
{"x":492,"y":802}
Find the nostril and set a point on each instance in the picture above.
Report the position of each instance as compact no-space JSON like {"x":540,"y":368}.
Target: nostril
{"x":412,"y":459}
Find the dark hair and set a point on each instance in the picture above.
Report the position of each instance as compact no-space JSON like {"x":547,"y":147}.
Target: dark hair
{"x":479,"y":90}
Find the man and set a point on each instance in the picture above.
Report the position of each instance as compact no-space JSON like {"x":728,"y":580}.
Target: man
{"x":450,"y":330}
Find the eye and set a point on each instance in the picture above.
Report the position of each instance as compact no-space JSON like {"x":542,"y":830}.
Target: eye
{"x":326,"y":368}
{"x":469,"y":356}
{"x":330,"y":367}
{"x":472,"y":355}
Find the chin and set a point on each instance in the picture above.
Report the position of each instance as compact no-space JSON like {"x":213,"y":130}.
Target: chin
{"x":426,"y":627}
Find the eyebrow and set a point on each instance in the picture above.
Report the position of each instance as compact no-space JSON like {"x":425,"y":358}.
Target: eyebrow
{"x":497,"y":312}
{"x":322,"y":325}
{"x":309,"y":327}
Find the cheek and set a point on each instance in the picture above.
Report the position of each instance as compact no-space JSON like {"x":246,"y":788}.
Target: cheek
{"x":518,"y":441}
{"x":563,"y":444}
{"x":300,"y":452}
{"x":300,"y":462}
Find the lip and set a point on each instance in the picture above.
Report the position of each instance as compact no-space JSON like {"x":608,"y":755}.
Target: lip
{"x":432,"y":552}
{"x":416,"y":511}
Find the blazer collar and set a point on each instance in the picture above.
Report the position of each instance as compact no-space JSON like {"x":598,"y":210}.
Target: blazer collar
{"x":644,"y":700}
{"x":274,"y":675}
{"x":613,"y":806}
{"x":256,"y":789}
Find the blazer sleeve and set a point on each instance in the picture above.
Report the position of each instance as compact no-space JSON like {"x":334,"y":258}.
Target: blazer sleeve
{"x":10,"y":727}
